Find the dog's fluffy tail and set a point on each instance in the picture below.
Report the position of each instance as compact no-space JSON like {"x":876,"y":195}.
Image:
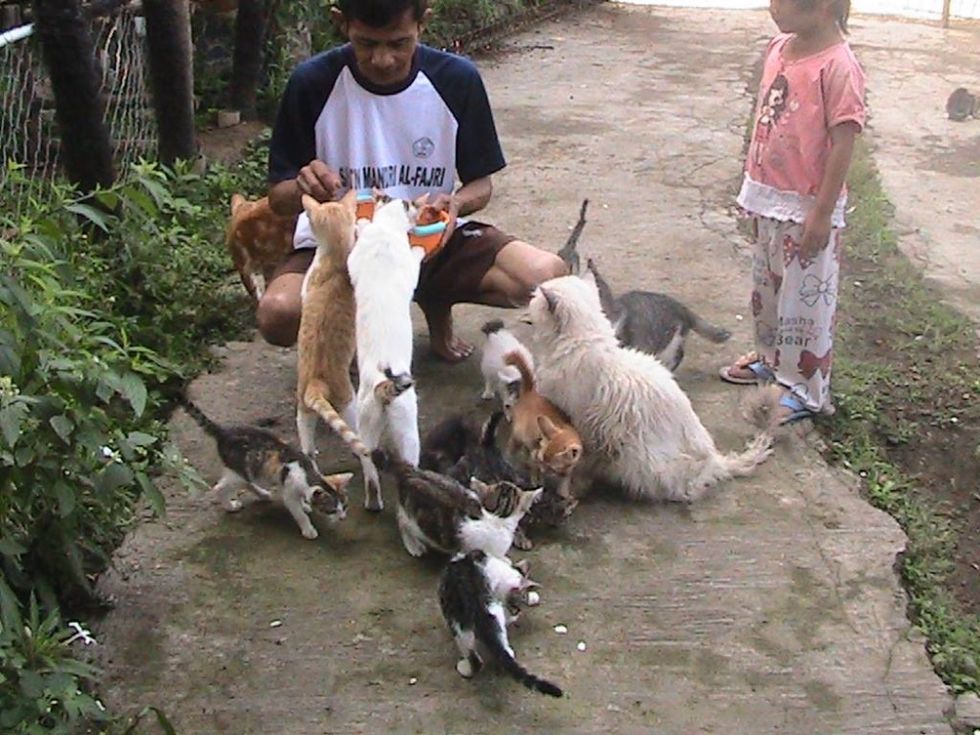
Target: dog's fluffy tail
{"x":739,"y":464}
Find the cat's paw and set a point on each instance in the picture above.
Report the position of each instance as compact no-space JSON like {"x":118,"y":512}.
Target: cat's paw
{"x":465,"y":668}
{"x":533,"y":599}
{"x":487,"y":394}
{"x":232,"y":505}
{"x":372,"y":497}
{"x":522,"y":542}
{"x":310,"y":532}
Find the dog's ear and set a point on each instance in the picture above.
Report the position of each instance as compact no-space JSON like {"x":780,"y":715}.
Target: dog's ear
{"x":550,"y":299}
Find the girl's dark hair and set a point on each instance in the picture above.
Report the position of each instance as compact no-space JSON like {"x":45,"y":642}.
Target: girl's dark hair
{"x":841,"y":7}
{"x":380,"y":13}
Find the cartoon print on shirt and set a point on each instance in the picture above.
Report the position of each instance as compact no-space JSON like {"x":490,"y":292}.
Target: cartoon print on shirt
{"x":770,"y":112}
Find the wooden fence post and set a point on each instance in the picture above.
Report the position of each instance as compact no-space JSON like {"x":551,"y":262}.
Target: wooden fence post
{"x":168,"y":37}
{"x":66,"y":43}
{"x":946,"y":6}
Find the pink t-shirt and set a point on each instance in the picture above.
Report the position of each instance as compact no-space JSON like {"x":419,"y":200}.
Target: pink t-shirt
{"x":799,"y":102}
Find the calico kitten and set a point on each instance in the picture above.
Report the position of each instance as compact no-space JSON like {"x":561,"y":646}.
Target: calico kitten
{"x":500,"y":379}
{"x":384,"y":271}
{"x":439,"y":513}
{"x":325,"y":343}
{"x":258,"y":240}
{"x":541,"y":431}
{"x":568,"y":253}
{"x":267,"y":465}
{"x":475,"y":592}
{"x":652,"y":322}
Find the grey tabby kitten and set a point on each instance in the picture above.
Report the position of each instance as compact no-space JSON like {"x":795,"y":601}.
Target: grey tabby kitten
{"x":477,"y":594}
{"x":652,"y":322}
{"x":439,"y":513}
{"x":258,"y":459}
{"x":962,"y":104}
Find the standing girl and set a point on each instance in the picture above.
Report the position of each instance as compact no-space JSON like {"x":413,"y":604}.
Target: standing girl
{"x":809,"y":111}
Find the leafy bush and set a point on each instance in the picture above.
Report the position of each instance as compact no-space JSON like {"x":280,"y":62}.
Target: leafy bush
{"x":101,"y":315}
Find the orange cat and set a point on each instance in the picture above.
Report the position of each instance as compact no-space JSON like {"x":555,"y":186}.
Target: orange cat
{"x":541,"y":430}
{"x":325,"y":344}
{"x":258,"y":239}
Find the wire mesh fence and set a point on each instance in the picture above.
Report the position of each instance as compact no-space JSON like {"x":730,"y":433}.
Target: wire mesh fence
{"x":29,"y":136}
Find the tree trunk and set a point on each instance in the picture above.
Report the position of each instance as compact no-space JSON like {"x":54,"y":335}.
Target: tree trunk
{"x":66,"y":43}
{"x":250,"y":26}
{"x":168,"y":36}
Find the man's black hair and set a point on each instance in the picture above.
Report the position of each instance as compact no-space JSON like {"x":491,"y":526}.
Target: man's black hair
{"x":380,"y":13}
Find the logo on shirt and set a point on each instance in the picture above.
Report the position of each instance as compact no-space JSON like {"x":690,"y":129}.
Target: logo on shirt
{"x":423,"y":147}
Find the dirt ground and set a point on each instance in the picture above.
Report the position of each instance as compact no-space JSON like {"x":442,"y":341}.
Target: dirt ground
{"x":770,"y":607}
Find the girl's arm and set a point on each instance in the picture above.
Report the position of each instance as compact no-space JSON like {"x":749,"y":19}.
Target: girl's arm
{"x":816,"y":230}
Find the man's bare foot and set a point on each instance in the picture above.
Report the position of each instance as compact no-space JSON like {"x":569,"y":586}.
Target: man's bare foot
{"x":443,"y":342}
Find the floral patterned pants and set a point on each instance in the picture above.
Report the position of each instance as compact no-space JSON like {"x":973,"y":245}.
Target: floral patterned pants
{"x":794,"y":304}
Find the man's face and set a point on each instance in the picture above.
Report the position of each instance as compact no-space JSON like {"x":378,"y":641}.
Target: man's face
{"x":384,"y":55}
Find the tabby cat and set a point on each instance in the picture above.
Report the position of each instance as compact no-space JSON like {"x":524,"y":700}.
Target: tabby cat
{"x":437,"y":512}
{"x":258,"y":240}
{"x":325,"y":344}
{"x":259,"y":459}
{"x":652,"y":322}
{"x":476,"y":592}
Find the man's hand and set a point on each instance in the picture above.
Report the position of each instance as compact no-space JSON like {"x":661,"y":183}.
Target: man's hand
{"x":318,"y":180}
{"x":448,"y":203}
{"x":816,"y":234}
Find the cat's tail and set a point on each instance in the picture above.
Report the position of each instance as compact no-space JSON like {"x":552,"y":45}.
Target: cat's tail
{"x":568,"y":253}
{"x":488,"y":632}
{"x":209,"y":426}
{"x":488,"y":436}
{"x":315,"y":399}
{"x":516,"y":359}
{"x":492,"y":326}
{"x":392,"y":386}
{"x":707,"y":329}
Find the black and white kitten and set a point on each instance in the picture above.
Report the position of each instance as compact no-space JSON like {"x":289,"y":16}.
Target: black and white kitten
{"x":476,"y":593}
{"x":652,"y":322}
{"x":268,"y":466}
{"x":439,"y":513}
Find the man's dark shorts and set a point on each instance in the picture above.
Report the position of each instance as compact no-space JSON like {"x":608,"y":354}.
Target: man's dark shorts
{"x":452,"y":275}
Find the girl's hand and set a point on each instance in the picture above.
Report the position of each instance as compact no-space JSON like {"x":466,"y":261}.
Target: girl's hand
{"x":816,"y":234}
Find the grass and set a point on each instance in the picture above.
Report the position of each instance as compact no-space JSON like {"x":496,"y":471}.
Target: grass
{"x":907,"y":389}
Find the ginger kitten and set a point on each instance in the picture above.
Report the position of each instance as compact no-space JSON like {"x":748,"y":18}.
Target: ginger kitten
{"x":541,"y":431}
{"x":325,"y":344}
{"x":258,"y":240}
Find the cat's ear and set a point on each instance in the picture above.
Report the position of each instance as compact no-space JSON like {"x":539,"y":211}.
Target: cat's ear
{"x":339,"y":482}
{"x":309,"y":203}
{"x":479,"y":487}
{"x":547,"y":426}
{"x":573,"y":452}
{"x":237,"y":200}
{"x":349,"y":199}
{"x":589,"y":275}
{"x":523,"y":566}
{"x":528,"y":498}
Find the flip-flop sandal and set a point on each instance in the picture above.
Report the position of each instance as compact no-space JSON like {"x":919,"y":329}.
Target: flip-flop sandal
{"x":762,"y":373}
{"x":799,"y":409}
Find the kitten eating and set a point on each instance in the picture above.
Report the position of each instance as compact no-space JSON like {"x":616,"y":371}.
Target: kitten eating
{"x":439,"y":513}
{"x":499,"y":378}
{"x":269,"y":466}
{"x":542,"y":432}
{"x":652,"y":322}
{"x":476,"y":592}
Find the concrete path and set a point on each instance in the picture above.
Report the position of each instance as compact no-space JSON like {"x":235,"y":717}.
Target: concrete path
{"x":930,"y":166}
{"x":769,"y":607}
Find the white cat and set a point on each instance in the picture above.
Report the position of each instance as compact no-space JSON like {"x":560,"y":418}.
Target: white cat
{"x":499,"y":378}
{"x":384,"y":271}
{"x":638,"y":426}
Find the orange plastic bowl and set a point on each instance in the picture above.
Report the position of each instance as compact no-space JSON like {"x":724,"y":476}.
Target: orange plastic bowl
{"x":429,"y":236}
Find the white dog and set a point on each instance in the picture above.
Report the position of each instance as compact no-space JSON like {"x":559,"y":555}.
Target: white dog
{"x":499,"y":378}
{"x":635,"y":420}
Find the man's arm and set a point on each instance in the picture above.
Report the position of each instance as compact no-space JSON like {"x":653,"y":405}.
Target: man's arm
{"x":474,"y":196}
